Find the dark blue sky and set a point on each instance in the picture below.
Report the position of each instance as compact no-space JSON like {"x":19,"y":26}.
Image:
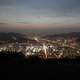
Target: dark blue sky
{"x":36,"y":15}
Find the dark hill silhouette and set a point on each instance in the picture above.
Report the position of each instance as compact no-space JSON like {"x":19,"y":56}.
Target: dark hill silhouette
{"x":64,"y":35}
{"x":11,"y":56}
{"x":16,"y":66}
{"x":12,"y":37}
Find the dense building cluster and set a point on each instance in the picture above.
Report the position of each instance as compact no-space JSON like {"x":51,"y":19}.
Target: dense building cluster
{"x":45,"y":48}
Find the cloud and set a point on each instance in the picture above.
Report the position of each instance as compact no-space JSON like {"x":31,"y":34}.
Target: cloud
{"x":3,"y":24}
{"x":58,"y":8}
{"x":69,"y":8}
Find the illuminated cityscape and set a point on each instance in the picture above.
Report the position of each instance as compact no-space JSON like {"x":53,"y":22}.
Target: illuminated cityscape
{"x":40,"y":21}
{"x":39,"y":38}
{"x":45,"y":48}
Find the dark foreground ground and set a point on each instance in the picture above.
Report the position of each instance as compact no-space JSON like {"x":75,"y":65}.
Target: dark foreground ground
{"x":17,"y":67}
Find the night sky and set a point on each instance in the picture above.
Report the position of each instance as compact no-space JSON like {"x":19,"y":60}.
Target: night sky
{"x":40,"y":16}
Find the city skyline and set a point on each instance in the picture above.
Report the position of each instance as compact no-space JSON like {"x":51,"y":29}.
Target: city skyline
{"x":40,"y":16}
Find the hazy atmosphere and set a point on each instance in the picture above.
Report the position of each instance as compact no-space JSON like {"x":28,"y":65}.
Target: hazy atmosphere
{"x":40,"y":16}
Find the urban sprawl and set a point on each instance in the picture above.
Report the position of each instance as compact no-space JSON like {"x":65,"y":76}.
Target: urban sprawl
{"x":45,"y":48}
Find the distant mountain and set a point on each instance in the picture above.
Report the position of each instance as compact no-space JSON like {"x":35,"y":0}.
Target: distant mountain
{"x":12,"y":37}
{"x":64,"y":35}
{"x":17,"y":37}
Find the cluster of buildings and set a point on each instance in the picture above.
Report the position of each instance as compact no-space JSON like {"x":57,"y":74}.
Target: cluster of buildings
{"x":44,"y":48}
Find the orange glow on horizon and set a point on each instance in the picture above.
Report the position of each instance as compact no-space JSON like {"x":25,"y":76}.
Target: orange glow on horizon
{"x":30,"y":26}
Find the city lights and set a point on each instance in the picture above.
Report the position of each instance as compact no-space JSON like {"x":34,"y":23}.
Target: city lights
{"x":44,"y":48}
